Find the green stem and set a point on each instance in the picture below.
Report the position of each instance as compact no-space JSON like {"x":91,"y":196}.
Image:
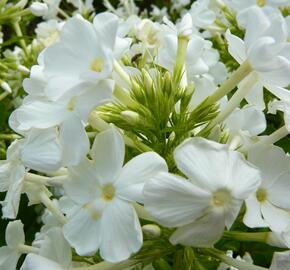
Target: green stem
{"x":247,"y":237}
{"x":236,"y":77}
{"x":20,"y":35}
{"x":233,"y":103}
{"x":180,"y":57}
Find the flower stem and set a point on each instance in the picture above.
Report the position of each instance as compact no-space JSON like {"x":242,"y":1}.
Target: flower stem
{"x":48,"y":181}
{"x":244,"y":70}
{"x":20,"y":35}
{"x":52,"y":208}
{"x":275,"y":136}
{"x":180,"y":57}
{"x":233,"y":103}
{"x":247,"y":237}
{"x":241,"y":265}
{"x":25,"y":249}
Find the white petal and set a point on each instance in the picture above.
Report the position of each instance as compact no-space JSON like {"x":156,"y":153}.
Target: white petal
{"x":42,"y":150}
{"x":174,"y":201}
{"x":253,"y":216}
{"x":74,"y":140}
{"x":277,"y":219}
{"x":236,"y":47}
{"x":83,"y":231}
{"x":106,"y":25}
{"x":204,"y":232}
{"x":271,"y":160}
{"x":243,"y":178}
{"x":14,"y":234}
{"x":8,"y":258}
{"x":121,"y":232}
{"x":5,"y":170}
{"x":56,"y":248}
{"x":201,"y":161}
{"x":10,"y":204}
{"x":281,"y":261}
{"x":108,"y":152}
{"x":95,"y":94}
{"x":36,"y":262}
{"x":279,"y":192}
{"x":232,"y":213}
{"x":136,"y":172}
{"x":38,"y":114}
{"x":82,"y":185}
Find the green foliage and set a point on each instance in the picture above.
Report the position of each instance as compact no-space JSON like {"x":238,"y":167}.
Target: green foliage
{"x":163,"y":117}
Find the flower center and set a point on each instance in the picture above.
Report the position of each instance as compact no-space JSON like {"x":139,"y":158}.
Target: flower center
{"x":72,"y":104}
{"x":95,"y":214}
{"x":261,"y":195}
{"x":108,"y":192}
{"x":97,"y":65}
{"x":221,"y":198}
{"x":261,"y":3}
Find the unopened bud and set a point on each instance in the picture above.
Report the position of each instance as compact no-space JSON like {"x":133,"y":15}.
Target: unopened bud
{"x":278,"y":240}
{"x":23,"y":69}
{"x":130,"y":116}
{"x":21,"y":4}
{"x":151,"y":230}
{"x":39,"y":9}
{"x":6,"y":87}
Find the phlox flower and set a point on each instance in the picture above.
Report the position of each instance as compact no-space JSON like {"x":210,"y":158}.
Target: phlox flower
{"x":69,"y":113}
{"x":102,"y":192}
{"x":40,"y":151}
{"x":269,"y":206}
{"x":210,"y":199}
{"x":266,"y":49}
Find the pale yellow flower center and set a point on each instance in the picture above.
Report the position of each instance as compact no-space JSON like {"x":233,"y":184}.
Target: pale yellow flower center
{"x":97,"y":65}
{"x":261,"y":195}
{"x":261,"y":3}
{"x":221,"y":198}
{"x":72,"y":104}
{"x":108,"y":192}
{"x":95,"y":214}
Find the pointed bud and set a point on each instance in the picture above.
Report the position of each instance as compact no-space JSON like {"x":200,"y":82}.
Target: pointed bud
{"x":151,"y":230}
{"x":21,"y":4}
{"x":130,"y":117}
{"x":23,"y":69}
{"x":6,"y":87}
{"x":39,"y":9}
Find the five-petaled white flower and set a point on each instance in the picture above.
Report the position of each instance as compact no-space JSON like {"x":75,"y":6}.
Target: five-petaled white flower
{"x":201,"y":206}
{"x":103,"y":191}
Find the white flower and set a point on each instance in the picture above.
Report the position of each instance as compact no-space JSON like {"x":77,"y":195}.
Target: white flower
{"x":70,"y":113}
{"x":9,"y":255}
{"x":218,"y":182}
{"x":244,"y":124}
{"x":265,"y":47}
{"x":54,"y":253}
{"x":40,"y":151}
{"x":201,"y":15}
{"x":48,"y":32}
{"x":84,"y":53}
{"x":182,"y":28}
{"x":270,"y":205}
{"x":103,"y":191}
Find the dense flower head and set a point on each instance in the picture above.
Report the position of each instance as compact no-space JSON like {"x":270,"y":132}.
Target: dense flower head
{"x":145,"y":138}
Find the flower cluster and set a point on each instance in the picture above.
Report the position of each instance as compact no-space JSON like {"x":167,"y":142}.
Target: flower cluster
{"x":145,"y":137}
